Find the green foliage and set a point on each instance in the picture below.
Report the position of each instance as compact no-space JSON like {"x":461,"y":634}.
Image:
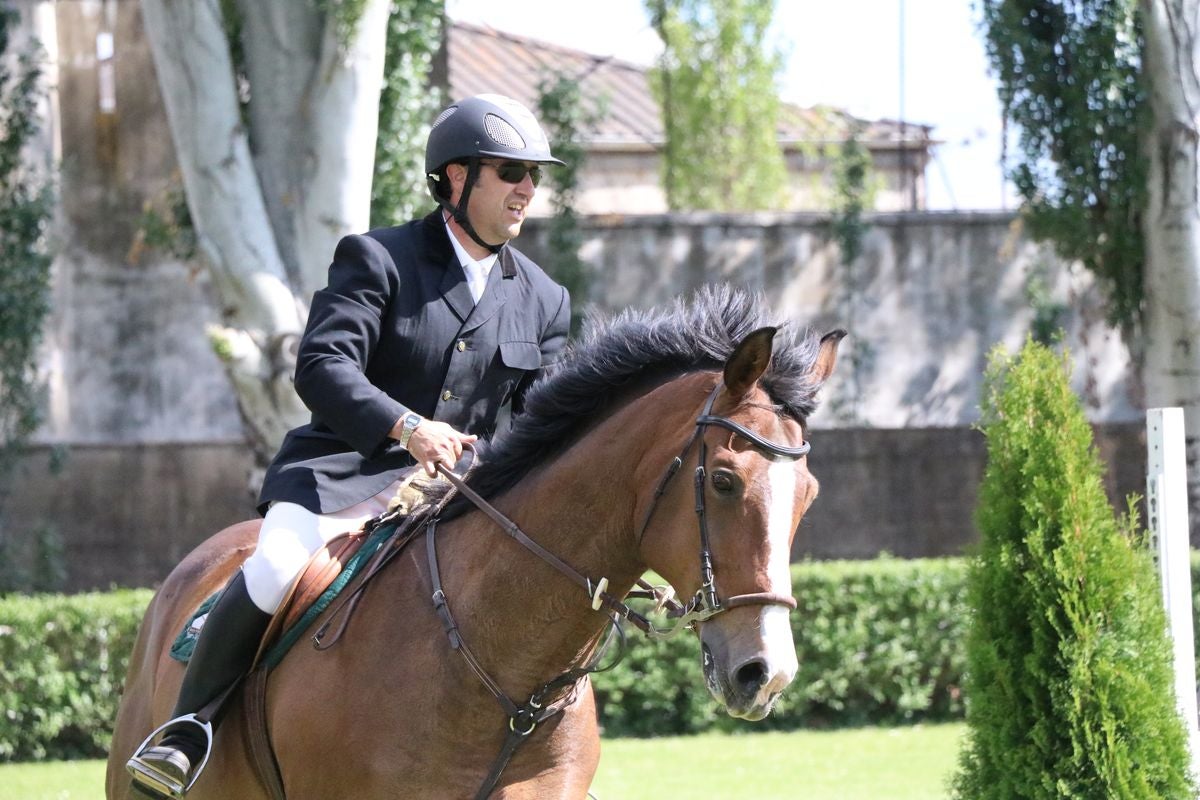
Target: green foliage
{"x":561,"y":110}
{"x":715,"y":84}
{"x":25,"y":210}
{"x":165,"y":225}
{"x":1047,"y":312}
{"x":346,"y":16}
{"x":26,"y":207}
{"x":852,"y":196}
{"x":407,"y":105}
{"x":1070,"y":82}
{"x":1069,"y":668}
{"x":62,"y":664}
{"x":877,"y":641}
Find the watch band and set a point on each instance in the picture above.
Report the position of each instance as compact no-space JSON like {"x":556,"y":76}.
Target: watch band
{"x":410,"y":423}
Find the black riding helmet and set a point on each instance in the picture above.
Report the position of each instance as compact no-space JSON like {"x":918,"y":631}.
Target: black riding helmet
{"x":483,"y":126}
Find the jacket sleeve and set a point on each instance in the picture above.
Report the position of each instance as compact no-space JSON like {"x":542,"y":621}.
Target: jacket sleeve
{"x":343,"y":331}
{"x":554,"y":339}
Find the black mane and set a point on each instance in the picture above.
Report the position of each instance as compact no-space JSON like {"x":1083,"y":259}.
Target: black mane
{"x":636,"y":348}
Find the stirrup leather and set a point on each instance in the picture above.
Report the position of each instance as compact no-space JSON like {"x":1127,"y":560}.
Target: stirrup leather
{"x":145,"y":776}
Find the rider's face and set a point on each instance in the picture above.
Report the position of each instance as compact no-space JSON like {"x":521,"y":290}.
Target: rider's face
{"x":496,"y":208}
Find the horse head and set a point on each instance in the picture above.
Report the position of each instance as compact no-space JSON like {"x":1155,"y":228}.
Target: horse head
{"x":751,"y":488}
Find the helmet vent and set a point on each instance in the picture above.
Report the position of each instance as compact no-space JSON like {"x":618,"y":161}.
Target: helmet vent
{"x":502,"y":132}
{"x":442,"y":117}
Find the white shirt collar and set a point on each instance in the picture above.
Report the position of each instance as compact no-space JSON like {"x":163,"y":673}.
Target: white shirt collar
{"x":464,"y":258}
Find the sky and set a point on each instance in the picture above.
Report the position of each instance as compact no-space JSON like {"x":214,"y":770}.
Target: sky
{"x":845,"y":53}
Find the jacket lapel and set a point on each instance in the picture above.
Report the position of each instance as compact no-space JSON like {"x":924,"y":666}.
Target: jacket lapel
{"x":494,"y":293}
{"x":453,"y":284}
{"x":455,"y":291}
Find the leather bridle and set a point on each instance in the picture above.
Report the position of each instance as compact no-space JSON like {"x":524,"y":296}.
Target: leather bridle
{"x":705,"y":604}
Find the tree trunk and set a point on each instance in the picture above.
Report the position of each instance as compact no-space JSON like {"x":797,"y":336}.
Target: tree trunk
{"x":269,"y":196}
{"x":1171,"y":358}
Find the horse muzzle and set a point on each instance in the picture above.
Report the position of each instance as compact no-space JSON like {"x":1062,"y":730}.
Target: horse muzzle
{"x":747,"y":667}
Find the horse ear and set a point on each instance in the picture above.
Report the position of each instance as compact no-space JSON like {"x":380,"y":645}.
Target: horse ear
{"x":826,"y":356}
{"x":749,"y":361}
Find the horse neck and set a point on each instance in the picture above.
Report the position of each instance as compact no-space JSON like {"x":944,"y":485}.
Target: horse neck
{"x":585,"y":507}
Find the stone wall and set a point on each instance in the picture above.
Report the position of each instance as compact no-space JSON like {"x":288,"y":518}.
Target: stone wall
{"x":126,"y":514}
{"x":931,"y":294}
{"x":148,"y":433}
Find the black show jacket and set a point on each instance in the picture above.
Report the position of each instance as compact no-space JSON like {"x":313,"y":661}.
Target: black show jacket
{"x":396,"y":330}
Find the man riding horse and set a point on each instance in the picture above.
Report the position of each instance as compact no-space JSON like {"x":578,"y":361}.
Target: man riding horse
{"x":425,"y":332}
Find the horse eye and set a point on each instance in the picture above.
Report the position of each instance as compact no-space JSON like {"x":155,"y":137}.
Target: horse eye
{"x":723,"y":481}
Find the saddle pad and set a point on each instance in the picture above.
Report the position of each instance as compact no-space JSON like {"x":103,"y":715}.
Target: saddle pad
{"x":185,"y":642}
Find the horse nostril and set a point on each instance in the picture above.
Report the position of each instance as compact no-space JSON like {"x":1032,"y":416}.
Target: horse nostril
{"x":751,"y":675}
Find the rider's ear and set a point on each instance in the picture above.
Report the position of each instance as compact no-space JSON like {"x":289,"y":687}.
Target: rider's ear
{"x":826,"y":356}
{"x":749,"y":361}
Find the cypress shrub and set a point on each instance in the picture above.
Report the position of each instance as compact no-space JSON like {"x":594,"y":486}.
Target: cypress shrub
{"x":1069,"y":684}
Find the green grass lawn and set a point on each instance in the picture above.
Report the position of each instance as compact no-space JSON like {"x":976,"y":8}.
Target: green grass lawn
{"x":56,"y":780}
{"x":860,"y":764}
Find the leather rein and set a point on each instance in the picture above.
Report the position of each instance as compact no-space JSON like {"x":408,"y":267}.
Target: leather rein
{"x":706,"y":603}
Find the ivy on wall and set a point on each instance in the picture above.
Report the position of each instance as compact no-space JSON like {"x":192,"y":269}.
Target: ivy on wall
{"x":853,"y":195}
{"x":26,"y":208}
{"x":562,"y":112}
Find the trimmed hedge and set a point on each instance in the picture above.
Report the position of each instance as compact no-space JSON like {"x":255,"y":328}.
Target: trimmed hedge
{"x":62,"y":664}
{"x":878,"y":642}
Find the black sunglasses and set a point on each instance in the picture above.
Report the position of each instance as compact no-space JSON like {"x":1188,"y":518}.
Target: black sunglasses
{"x":514,"y":171}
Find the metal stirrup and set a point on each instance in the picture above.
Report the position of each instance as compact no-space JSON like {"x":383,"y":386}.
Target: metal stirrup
{"x":142,"y":774}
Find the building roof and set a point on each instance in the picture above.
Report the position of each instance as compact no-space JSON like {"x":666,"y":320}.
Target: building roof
{"x":483,"y":59}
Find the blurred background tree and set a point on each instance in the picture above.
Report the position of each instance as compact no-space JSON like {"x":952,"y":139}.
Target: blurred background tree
{"x":406,"y":106}
{"x":716,"y":86}
{"x":26,"y":209}
{"x":563,"y":113}
{"x":1102,"y":96}
{"x":269,"y":199}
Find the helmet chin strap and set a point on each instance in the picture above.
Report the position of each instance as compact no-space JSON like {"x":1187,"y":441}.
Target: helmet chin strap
{"x":459,"y":212}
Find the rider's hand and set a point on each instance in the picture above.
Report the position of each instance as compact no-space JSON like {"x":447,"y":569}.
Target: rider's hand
{"x":434,"y":443}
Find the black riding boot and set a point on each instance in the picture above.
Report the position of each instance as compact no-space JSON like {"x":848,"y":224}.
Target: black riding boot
{"x":223,"y":654}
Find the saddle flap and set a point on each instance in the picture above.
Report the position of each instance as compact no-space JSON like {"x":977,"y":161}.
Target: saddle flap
{"x":318,"y":574}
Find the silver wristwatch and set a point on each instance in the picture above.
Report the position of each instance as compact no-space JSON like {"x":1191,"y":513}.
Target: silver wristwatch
{"x":409,"y":423}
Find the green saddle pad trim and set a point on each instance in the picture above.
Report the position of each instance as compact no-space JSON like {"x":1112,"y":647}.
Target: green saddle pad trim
{"x":185,"y":643}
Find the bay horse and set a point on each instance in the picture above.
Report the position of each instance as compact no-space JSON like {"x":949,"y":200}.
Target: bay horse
{"x":586,"y":469}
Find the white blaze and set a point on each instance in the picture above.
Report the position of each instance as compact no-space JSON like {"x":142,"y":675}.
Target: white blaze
{"x":776,"y":625}
{"x":781,"y":477}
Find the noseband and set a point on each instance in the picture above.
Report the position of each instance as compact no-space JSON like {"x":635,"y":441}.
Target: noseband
{"x":707,"y":603}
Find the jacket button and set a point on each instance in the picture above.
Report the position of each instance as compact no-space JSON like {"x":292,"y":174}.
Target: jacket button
{"x":446,"y":395}
{"x":461,"y":346}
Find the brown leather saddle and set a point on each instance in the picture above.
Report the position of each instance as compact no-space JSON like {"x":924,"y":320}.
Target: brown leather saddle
{"x":405,"y":511}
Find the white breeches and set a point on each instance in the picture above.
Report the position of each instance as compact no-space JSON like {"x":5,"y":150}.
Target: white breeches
{"x":290,"y":535}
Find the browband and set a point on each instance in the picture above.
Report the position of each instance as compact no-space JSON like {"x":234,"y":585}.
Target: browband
{"x":754,"y":438}
{"x":758,"y":441}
